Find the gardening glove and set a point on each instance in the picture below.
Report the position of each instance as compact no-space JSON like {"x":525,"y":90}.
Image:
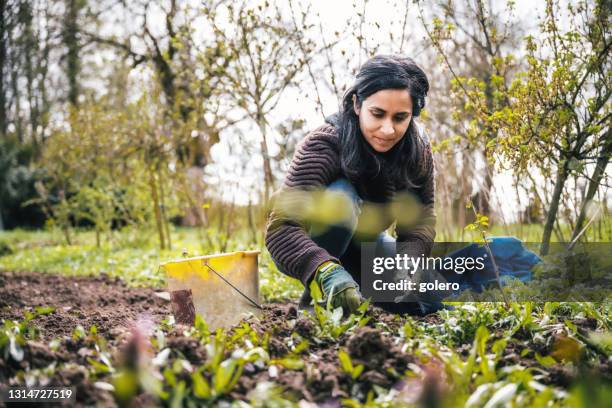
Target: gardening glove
{"x":425,"y":303}
{"x":334,"y":280}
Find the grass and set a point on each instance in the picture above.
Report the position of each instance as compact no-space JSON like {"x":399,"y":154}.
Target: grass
{"x":133,"y":256}
{"x":599,"y":231}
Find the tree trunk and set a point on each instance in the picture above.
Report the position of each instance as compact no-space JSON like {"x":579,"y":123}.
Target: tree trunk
{"x":251,"y":223}
{"x":156,"y":209}
{"x":562,"y":175}
{"x":484,"y":196}
{"x":164,"y":215}
{"x":465,"y":186}
{"x":221,"y":227}
{"x":43,"y":70}
{"x":200,"y":215}
{"x":229,"y":226}
{"x":66,"y":230}
{"x":484,"y":199}
{"x":30,"y":64}
{"x":600,"y":170}
{"x":268,"y":176}
{"x":3,"y":48}
{"x":64,"y":215}
{"x":17,"y":104}
{"x":72,"y":44}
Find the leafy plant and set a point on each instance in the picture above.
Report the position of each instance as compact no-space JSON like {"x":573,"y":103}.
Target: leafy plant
{"x":210,"y":381}
{"x":330,"y":321}
{"x":14,"y":335}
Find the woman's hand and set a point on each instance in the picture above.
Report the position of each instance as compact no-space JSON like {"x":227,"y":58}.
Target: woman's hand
{"x":336,"y":282}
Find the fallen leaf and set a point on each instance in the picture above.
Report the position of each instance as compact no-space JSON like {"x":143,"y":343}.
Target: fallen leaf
{"x":566,"y":349}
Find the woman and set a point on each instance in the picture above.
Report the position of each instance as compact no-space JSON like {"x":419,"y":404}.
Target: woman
{"x":371,"y":152}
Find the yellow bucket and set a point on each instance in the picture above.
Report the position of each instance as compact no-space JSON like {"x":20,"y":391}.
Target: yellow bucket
{"x":224,"y":287}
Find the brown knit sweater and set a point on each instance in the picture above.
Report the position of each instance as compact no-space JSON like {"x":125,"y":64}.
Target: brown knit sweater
{"x":316,"y":164}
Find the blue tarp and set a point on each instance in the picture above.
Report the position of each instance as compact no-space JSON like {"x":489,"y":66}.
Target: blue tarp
{"x":512,"y":258}
{"x":513,"y":261}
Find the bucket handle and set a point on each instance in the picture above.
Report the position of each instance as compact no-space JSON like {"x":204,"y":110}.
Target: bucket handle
{"x":257,"y":305}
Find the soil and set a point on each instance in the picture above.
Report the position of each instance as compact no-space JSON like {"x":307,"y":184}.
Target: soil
{"x":323,"y":380}
{"x":115,"y":309}
{"x":107,"y":303}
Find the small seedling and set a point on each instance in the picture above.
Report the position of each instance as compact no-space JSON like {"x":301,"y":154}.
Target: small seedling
{"x":347,"y":365}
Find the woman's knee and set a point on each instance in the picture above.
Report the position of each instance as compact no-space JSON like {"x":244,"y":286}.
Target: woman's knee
{"x":346,"y":203}
{"x":338,"y":217}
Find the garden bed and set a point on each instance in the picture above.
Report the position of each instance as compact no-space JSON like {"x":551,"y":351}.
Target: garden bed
{"x":116,"y":345}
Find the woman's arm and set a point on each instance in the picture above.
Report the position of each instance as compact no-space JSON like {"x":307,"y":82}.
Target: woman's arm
{"x":315,"y":165}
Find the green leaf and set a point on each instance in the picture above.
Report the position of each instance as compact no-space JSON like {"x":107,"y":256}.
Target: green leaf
{"x":201,"y":326}
{"x":363,"y":321}
{"x":291,"y":363}
{"x":78,"y":333}
{"x":571,"y":326}
{"x":303,"y":345}
{"x":99,"y":367}
{"x":498,"y":347}
{"x":357,"y":371}
{"x":482,"y":335}
{"x":315,"y":292}
{"x":364,"y":306}
{"x":178,"y":395}
{"x":15,"y":350}
{"x":336,"y":316}
{"x":126,"y":385}
{"x":42,"y":310}
{"x":546,"y":361}
{"x":223,"y":375}
{"x":201,"y":389}
{"x":408,"y":330}
{"x":169,"y":377}
{"x":345,"y":361}
{"x":502,"y":396}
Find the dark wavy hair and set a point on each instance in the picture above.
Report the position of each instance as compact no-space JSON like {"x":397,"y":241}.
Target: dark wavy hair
{"x":357,"y":157}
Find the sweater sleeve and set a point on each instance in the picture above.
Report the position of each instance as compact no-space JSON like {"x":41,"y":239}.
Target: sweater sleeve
{"x":315,"y":165}
{"x":419,"y":238}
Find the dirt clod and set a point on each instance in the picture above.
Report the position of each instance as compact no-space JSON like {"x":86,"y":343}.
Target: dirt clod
{"x":190,"y":348}
{"x":369,"y":345}
{"x":277,"y":348}
{"x":305,"y":327}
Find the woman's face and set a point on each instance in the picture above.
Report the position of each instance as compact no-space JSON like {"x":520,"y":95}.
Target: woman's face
{"x":384,"y":117}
